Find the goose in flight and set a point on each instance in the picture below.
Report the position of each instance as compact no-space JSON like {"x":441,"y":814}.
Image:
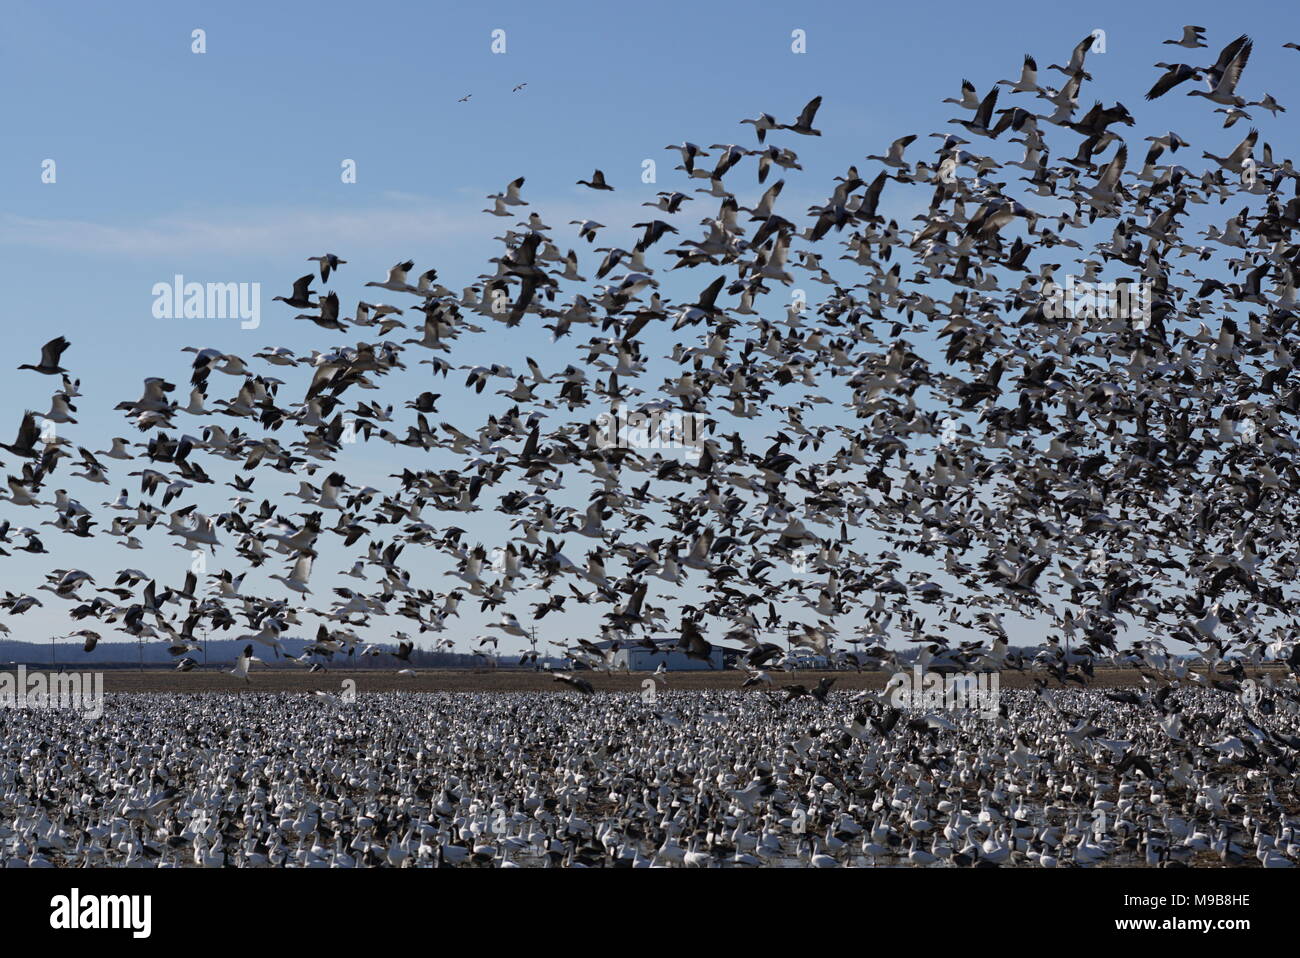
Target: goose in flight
{"x":575,"y":681}
{"x":1223,"y":77}
{"x":29,"y":435}
{"x":690,"y":153}
{"x":1028,"y":81}
{"x":396,"y":281}
{"x":763,"y":124}
{"x":1175,"y":73}
{"x":328,"y":318}
{"x":511,"y":196}
{"x":328,"y":262}
{"x":1268,"y":103}
{"x":895,"y":156}
{"x":89,"y":636}
{"x":587,"y":229}
{"x":1192,"y":38}
{"x":296,"y":580}
{"x":242,"y":663}
{"x":969,"y":99}
{"x":50,"y":353}
{"x":597,"y":182}
{"x":804,"y":123}
{"x":300,"y":298}
{"x":982,"y":122}
{"x":509,"y":624}
{"x":1074,"y":68}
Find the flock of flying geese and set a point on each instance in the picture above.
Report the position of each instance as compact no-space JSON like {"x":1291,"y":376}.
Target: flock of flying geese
{"x":929,"y":441}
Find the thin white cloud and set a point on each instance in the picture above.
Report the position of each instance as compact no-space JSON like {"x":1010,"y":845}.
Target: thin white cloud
{"x":245,"y":233}
{"x":266,"y":232}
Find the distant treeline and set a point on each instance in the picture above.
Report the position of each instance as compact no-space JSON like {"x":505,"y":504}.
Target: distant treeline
{"x":107,"y":655}
{"x":153,"y":653}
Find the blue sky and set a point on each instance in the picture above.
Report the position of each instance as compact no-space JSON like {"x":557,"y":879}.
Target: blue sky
{"x":225,"y":166}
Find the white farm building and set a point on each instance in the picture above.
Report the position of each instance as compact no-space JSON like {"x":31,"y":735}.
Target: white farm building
{"x":635,"y":657}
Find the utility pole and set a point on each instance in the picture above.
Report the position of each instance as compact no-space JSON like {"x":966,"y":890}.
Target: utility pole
{"x":54,"y":657}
